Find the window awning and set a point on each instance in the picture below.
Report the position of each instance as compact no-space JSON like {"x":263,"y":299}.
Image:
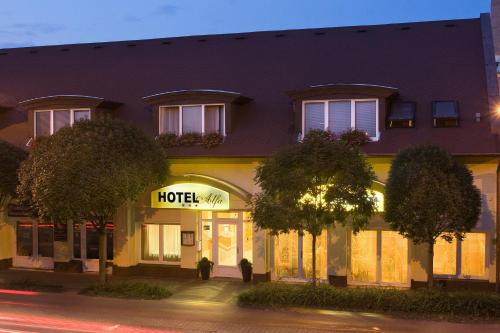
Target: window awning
{"x":401,"y":111}
{"x":63,"y":101}
{"x":196,"y":96}
{"x":344,"y":89}
{"x":445,"y":110}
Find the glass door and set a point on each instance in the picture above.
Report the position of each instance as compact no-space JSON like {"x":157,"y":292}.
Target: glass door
{"x":34,"y":245}
{"x":226,"y":248}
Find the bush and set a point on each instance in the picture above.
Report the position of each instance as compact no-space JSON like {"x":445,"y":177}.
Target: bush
{"x":189,"y":139}
{"x":134,"y":290}
{"x":355,"y":137}
{"x":32,"y":285}
{"x":211,"y":140}
{"x":425,"y":303}
{"x":168,"y":140}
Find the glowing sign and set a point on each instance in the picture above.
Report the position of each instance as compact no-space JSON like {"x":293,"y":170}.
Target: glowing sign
{"x":190,"y":196}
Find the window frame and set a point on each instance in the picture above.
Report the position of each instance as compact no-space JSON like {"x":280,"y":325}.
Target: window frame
{"x":353,"y":113}
{"x":179,"y":108}
{"x":458,"y":261}
{"x":160,"y":260}
{"x":71,"y":117}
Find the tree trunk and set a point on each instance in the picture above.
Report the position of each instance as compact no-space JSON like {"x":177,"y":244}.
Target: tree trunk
{"x":102,"y":255}
{"x":314,"y":258}
{"x":430,"y":266}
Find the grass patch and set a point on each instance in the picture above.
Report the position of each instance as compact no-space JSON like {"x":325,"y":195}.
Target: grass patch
{"x":131,"y":290}
{"x":32,"y":285}
{"x":406,"y":303}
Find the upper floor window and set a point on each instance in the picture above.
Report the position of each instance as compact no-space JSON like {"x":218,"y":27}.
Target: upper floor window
{"x":338,"y":116}
{"x":445,"y":113}
{"x":402,"y":115}
{"x":48,"y":122}
{"x":202,"y":119}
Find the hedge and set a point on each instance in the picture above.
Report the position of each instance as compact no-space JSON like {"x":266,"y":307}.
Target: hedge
{"x":133,"y":290}
{"x":421,"y":303}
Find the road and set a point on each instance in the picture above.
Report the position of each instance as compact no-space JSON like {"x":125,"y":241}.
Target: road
{"x":29,"y":312}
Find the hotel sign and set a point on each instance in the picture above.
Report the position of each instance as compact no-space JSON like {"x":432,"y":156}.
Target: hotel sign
{"x":190,"y":196}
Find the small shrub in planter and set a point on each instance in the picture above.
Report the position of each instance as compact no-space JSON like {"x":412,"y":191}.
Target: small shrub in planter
{"x":168,"y":140}
{"x":355,"y":137}
{"x":212,"y":140}
{"x":246,"y":270}
{"x":190,"y":139}
{"x":204,"y":267}
{"x":314,"y":135}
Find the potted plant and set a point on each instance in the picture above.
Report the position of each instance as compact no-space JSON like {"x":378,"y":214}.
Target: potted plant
{"x":204,"y":267}
{"x":246,"y":270}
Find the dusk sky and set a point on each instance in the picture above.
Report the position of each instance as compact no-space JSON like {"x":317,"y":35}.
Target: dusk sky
{"x":35,"y":22}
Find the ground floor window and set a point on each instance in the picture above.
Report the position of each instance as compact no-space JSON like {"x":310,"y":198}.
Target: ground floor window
{"x":34,"y":239}
{"x":86,"y":241}
{"x":466,"y":258}
{"x":379,"y":257}
{"x":161,"y":242}
{"x":293,"y":255}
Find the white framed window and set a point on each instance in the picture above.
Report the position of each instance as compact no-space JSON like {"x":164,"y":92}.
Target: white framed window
{"x":338,"y":116}
{"x":161,"y":243}
{"x":47,"y":122}
{"x":464,"y":259}
{"x":199,"y":118}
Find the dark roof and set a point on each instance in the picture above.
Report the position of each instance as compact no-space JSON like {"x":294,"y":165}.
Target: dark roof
{"x":427,"y":61}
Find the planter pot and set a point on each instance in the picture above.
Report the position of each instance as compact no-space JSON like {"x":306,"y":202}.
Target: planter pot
{"x":246,"y":272}
{"x":205,"y":273}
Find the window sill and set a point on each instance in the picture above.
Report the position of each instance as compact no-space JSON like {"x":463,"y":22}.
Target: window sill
{"x":164,"y":263}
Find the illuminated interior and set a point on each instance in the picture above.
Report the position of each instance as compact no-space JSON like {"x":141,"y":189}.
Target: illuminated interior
{"x":445,"y":257}
{"x":321,"y":260}
{"x":394,"y":258}
{"x":364,"y":256}
{"x":473,"y":254}
{"x":248,"y":241}
{"x":206,"y":240}
{"x":227,"y":254}
{"x":286,"y":255}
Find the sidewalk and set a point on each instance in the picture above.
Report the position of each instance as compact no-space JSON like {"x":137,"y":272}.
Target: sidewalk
{"x":215,"y":290}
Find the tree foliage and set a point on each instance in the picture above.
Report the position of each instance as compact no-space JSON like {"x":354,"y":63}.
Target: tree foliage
{"x":87,"y":171}
{"x":429,"y":194}
{"x":312,"y":185}
{"x":10,"y":160}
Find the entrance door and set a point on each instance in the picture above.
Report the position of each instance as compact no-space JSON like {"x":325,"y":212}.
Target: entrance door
{"x":86,"y":245}
{"x":227,"y":248}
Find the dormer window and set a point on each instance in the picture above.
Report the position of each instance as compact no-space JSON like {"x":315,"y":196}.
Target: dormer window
{"x":445,"y":113}
{"x":47,"y":122}
{"x":339,"y":116}
{"x":201,"y":119}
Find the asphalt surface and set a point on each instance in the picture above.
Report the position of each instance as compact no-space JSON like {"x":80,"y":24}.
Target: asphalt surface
{"x":28,"y":312}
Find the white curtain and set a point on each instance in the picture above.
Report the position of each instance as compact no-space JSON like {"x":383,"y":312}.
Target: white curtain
{"x":366,"y":117}
{"x":171,"y":242}
{"x":191,"y":119}
{"x":314,"y":117}
{"x":169,"y":120}
{"x":150,"y":242}
{"x":213,"y":116}
{"x":339,"y":116}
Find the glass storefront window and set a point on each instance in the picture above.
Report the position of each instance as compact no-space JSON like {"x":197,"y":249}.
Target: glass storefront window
{"x":171,"y":242}
{"x":45,"y":239}
{"x":321,"y":261}
{"x":364,"y":256}
{"x":445,"y":257}
{"x":473,"y":254}
{"x":24,"y":233}
{"x":394,"y":257}
{"x":248,"y":241}
{"x":286,"y":256}
{"x":77,"y":240}
{"x":206,"y":215}
{"x":93,"y":241}
{"x":206,"y":240}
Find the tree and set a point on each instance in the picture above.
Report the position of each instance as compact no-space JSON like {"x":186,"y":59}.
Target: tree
{"x":10,"y":160}
{"x":312,"y":185}
{"x":87,"y":171}
{"x":429,"y":194}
